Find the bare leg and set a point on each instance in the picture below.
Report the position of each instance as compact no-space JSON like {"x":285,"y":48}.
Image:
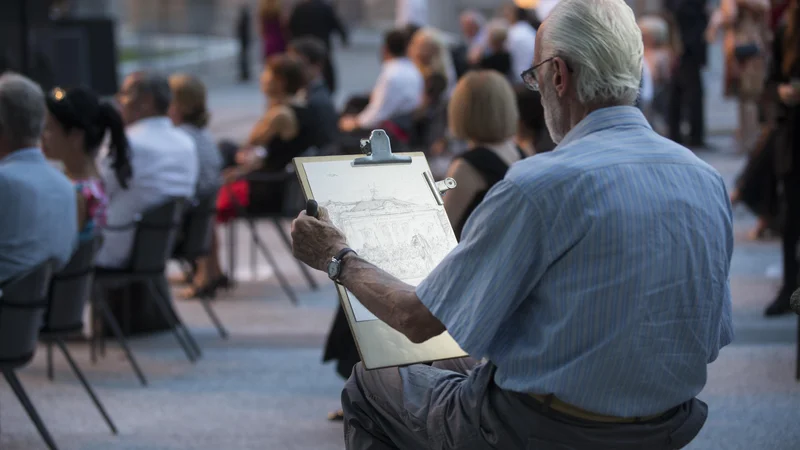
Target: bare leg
{"x":208,"y":270}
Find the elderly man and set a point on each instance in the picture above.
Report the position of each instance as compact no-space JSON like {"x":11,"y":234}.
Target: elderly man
{"x":38,"y":204}
{"x":592,"y":281}
{"x":163,"y":158}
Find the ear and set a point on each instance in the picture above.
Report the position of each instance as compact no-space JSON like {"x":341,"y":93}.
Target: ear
{"x":561,"y":76}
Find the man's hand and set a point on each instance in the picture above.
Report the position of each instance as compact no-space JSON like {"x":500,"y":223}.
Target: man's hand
{"x":315,"y":240}
{"x":789,"y":94}
{"x":231,"y":174}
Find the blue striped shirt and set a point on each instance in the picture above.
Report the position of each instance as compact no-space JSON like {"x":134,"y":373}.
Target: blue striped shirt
{"x":597,"y":272}
{"x":38,"y":213}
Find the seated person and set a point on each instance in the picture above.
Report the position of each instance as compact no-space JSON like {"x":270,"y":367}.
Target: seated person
{"x":39,"y":213}
{"x":189,"y":113}
{"x":398,"y":91}
{"x":163,"y":161}
{"x":314,"y":55}
{"x":592,"y":334}
{"x":76,"y":125}
{"x":532,"y":134}
{"x":287,"y":130}
{"x":495,"y":57}
{"x":483,"y":112}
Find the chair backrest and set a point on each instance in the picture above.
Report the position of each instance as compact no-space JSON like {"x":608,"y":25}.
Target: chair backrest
{"x":198,"y":226}
{"x":22,"y":304}
{"x":71,"y":289}
{"x":156,"y":232}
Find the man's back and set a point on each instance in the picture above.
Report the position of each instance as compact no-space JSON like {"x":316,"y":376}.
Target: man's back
{"x":320,"y":101}
{"x":38,"y":218}
{"x":637,"y":254}
{"x":165,"y":165}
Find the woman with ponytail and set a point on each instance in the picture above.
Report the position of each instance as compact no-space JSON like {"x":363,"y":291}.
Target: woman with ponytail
{"x":76,"y":126}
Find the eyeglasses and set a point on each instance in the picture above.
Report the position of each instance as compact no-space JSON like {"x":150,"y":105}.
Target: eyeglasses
{"x":529,"y":75}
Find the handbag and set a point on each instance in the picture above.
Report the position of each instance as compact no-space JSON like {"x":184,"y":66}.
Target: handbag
{"x":744,"y":52}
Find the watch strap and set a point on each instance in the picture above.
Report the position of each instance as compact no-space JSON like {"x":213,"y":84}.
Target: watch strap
{"x":343,"y":252}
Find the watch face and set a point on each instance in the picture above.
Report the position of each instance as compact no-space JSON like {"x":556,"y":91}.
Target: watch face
{"x":333,"y":269}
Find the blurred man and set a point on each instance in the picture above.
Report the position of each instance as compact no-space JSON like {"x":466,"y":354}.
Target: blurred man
{"x":521,"y":39}
{"x":314,"y":55}
{"x":38,"y":204}
{"x":317,"y":18}
{"x":163,"y":160}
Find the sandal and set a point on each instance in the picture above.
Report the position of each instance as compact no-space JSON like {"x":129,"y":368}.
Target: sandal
{"x":336,"y":416}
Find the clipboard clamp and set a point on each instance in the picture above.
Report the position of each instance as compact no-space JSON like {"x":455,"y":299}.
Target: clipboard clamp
{"x":379,"y":151}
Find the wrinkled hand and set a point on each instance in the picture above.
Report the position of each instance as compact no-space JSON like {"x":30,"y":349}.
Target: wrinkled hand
{"x":789,"y":94}
{"x":316,"y":240}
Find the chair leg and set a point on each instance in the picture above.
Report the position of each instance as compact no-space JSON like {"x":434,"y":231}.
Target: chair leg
{"x":100,"y":303}
{"x":223,"y":333}
{"x":19,"y":391}
{"x":50,"y":375}
{"x":231,"y":250}
{"x":797,"y":361}
{"x":89,"y":390}
{"x":304,"y":269}
{"x":272,"y":262}
{"x":253,"y":262}
{"x":182,"y":335}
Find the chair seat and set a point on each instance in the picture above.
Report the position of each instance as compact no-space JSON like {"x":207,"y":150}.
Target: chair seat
{"x":47,"y":331}
{"x":113,"y":276}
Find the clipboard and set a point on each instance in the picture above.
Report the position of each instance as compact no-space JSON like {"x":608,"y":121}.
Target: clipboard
{"x":391,"y":211}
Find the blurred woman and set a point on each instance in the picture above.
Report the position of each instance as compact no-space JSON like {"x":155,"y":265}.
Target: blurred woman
{"x":483,"y":112}
{"x":188,"y":112}
{"x":746,"y":36}
{"x":783,"y":81}
{"x":271,"y":28}
{"x":428,"y":51}
{"x":76,"y":125}
{"x":286,"y":131}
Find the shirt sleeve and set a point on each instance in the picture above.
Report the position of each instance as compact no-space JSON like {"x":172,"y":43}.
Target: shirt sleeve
{"x":501,"y":258}
{"x":380,"y":105}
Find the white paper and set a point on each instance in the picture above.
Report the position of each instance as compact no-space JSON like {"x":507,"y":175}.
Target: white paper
{"x":389,"y":215}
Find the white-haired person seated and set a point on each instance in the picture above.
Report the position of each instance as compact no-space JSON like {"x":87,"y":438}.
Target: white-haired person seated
{"x":39,"y":218}
{"x":591,"y":282}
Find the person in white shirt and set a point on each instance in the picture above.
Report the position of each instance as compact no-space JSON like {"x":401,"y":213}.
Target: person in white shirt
{"x":398,"y":91}
{"x":411,"y":12}
{"x":521,"y":40}
{"x":163,"y":160}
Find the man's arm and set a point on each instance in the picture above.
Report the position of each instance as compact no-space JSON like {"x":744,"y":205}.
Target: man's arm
{"x":391,"y":300}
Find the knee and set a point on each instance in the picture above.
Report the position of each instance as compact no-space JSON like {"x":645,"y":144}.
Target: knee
{"x":353,"y":390}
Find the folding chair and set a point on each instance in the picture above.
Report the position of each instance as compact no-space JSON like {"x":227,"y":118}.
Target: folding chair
{"x":198,"y":228}
{"x":22,"y":304}
{"x":70,"y":291}
{"x":156,"y":232}
{"x":251,"y":214}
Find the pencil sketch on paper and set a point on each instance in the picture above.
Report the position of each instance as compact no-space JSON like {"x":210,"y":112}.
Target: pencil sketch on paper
{"x":405,"y":239}
{"x":389,"y":216}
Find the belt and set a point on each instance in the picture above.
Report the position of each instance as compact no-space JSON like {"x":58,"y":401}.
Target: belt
{"x":551,"y":402}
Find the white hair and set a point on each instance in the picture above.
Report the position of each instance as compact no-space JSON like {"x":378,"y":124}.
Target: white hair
{"x":22,"y":108}
{"x":602,"y":43}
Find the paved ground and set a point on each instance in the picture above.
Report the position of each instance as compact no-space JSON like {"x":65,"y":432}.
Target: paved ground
{"x":266,"y":388}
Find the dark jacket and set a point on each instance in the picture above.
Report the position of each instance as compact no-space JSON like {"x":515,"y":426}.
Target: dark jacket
{"x":318,"y":19}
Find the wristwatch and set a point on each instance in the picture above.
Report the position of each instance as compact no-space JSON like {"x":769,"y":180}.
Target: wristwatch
{"x":335,"y":264}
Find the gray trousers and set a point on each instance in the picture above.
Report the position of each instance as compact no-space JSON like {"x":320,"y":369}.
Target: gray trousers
{"x":456,"y":405}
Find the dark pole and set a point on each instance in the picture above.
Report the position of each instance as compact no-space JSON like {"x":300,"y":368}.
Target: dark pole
{"x":24,"y":25}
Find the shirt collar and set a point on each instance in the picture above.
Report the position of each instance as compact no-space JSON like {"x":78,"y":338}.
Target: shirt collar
{"x":25,"y":154}
{"x":156,"y":121}
{"x":604,"y":118}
